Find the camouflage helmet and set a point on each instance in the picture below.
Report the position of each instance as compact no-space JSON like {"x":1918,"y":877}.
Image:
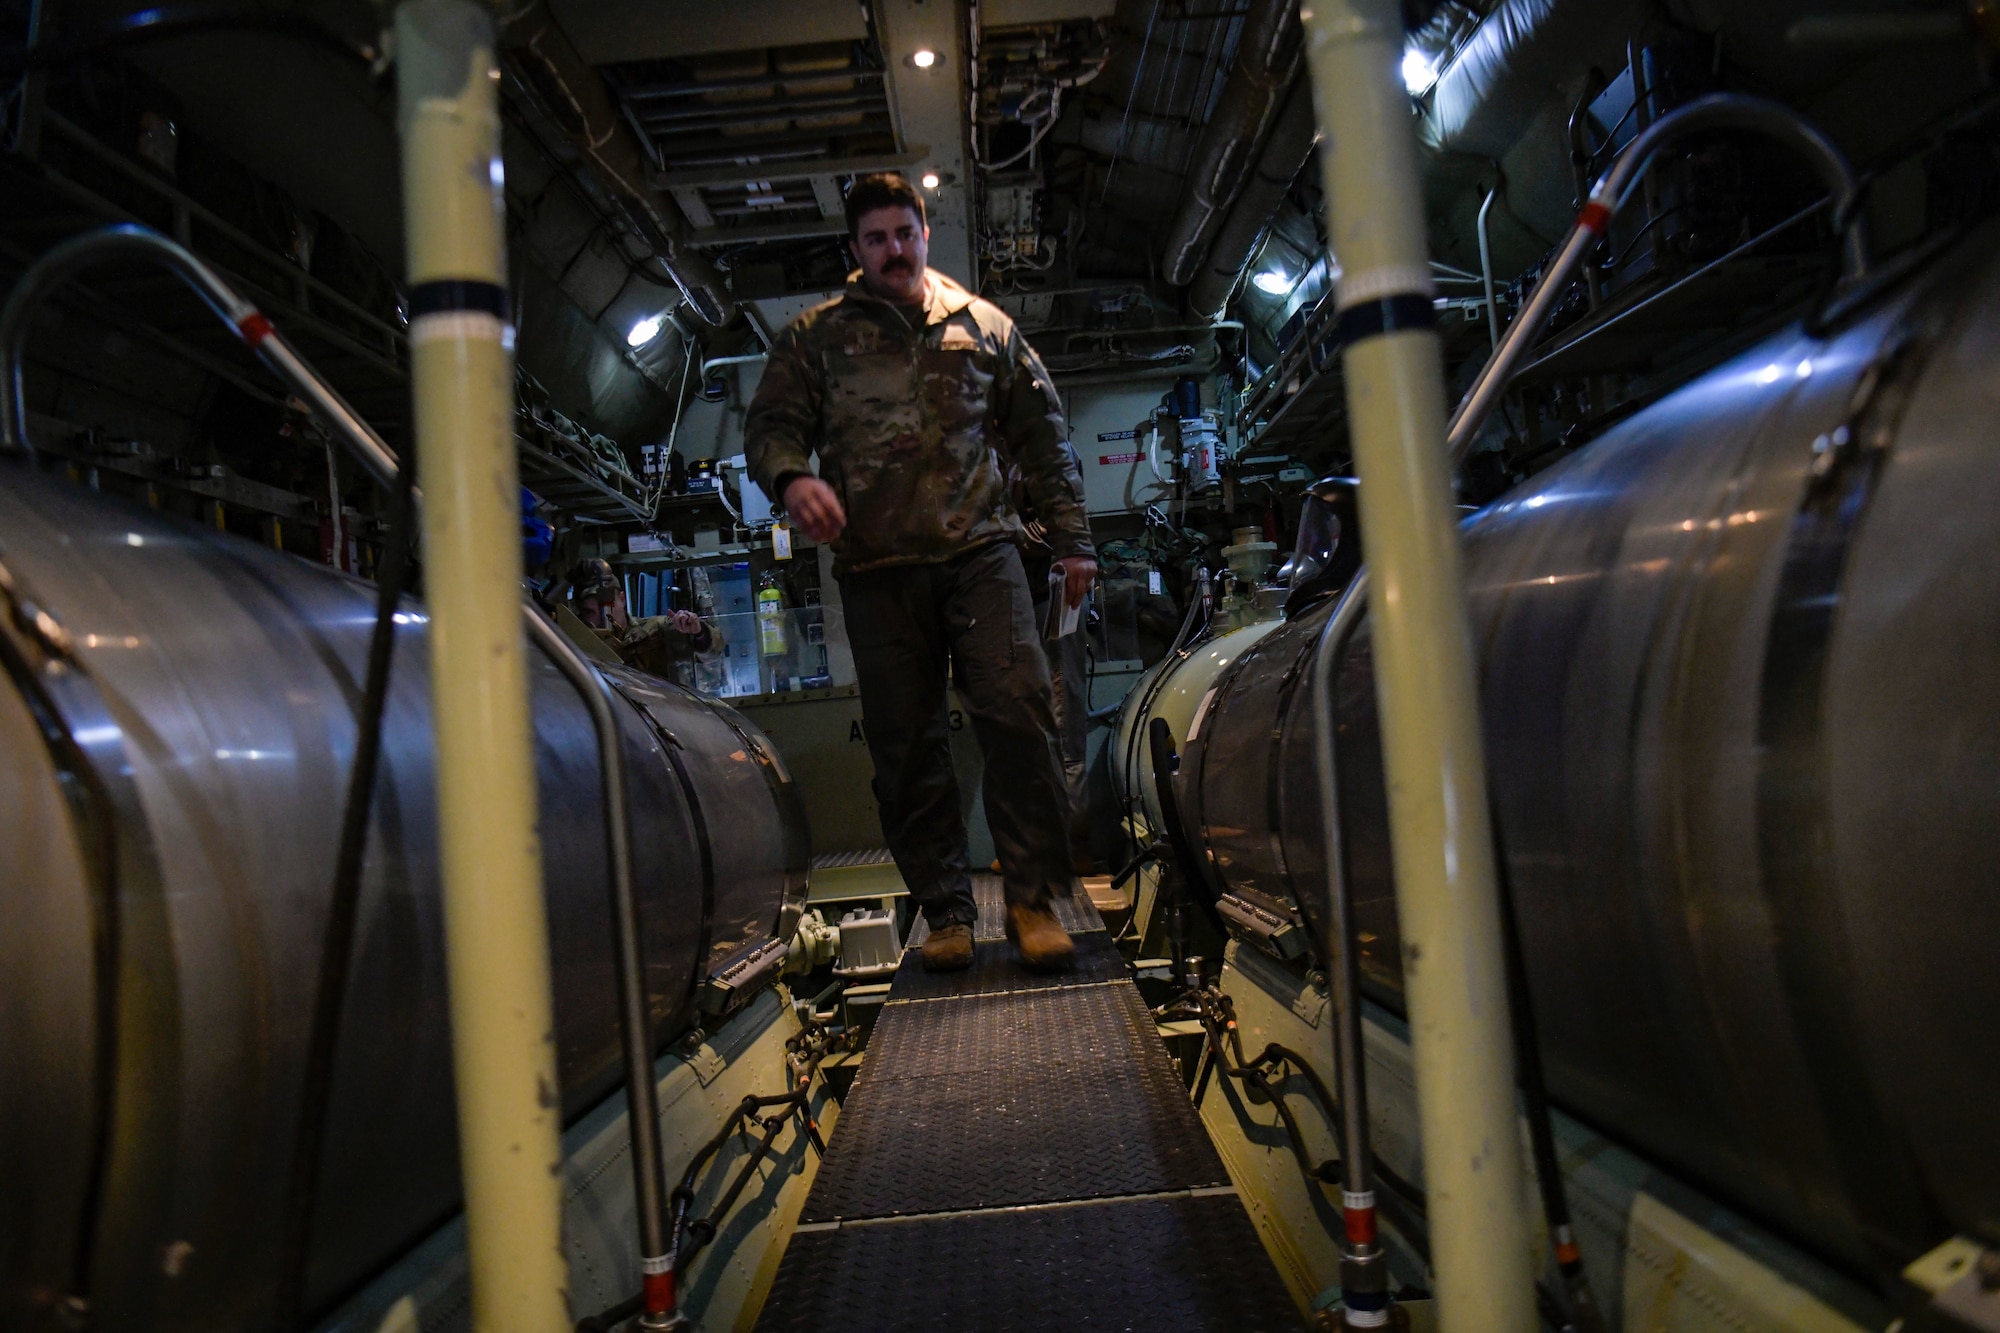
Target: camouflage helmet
{"x":592,"y":578}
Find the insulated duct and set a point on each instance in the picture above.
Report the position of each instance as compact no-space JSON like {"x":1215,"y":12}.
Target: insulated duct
{"x":1285,"y":153}
{"x":573,"y":95}
{"x":1267,"y":58}
{"x":1515,"y":62}
{"x":1138,"y":138}
{"x":1147,"y":64}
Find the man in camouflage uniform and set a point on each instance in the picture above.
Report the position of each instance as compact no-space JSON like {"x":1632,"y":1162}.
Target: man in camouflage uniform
{"x":655,"y":644}
{"x":918,"y":398}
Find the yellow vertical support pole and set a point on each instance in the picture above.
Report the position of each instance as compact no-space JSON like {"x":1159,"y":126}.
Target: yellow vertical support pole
{"x":1447,"y":902}
{"x":496,"y":927}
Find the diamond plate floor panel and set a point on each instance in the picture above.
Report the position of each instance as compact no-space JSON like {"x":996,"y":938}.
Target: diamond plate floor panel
{"x":1052,"y":1093}
{"x":1001,"y":1138}
{"x":1011,"y":1030}
{"x":1173,"y":1263}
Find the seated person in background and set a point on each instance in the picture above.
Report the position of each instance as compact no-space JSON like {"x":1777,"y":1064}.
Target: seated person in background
{"x":654,"y":644}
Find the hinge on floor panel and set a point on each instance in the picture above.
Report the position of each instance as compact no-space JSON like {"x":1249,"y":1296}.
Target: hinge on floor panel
{"x":748,"y":972}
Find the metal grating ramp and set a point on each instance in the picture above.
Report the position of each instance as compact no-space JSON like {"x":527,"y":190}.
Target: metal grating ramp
{"x":1075,"y":912}
{"x":1019,"y":1153}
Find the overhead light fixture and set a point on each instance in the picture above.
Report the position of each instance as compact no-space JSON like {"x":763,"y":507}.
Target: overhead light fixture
{"x":1273,"y":282}
{"x":644,"y":331}
{"x":932,"y":180}
{"x":1420,"y":71}
{"x":923,"y":57}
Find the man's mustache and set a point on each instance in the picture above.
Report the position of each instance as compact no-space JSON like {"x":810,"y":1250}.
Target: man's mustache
{"x":895,"y":264}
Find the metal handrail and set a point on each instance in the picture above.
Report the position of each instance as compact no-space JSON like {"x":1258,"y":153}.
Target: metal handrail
{"x":1343,"y":973}
{"x":1721,"y":111}
{"x":126,"y":241}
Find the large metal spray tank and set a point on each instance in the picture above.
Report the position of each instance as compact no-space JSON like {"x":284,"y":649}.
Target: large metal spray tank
{"x":169,"y":814}
{"x":1171,"y":688}
{"x":1741,"y":687}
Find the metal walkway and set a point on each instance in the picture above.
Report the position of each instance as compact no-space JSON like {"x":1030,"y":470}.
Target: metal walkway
{"x":1018,"y":1153}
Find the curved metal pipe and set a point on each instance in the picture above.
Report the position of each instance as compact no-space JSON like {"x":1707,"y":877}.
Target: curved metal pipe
{"x":1486,"y":266}
{"x":127,"y":241}
{"x":1343,"y":977}
{"x":1721,"y":111}
{"x":73,"y":256}
{"x":717,"y":363}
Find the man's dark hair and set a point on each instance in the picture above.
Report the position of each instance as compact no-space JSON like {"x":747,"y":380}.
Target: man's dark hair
{"x":880,"y":189}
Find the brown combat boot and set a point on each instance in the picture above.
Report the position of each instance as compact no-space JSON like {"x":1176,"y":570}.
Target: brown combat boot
{"x":1043,"y":944}
{"x":949,"y":948}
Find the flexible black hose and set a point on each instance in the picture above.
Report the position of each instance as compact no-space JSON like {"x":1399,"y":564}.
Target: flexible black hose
{"x":1193,"y":882}
{"x":1407,"y":1198}
{"x":1401,"y":1200}
{"x":1151,"y":853}
{"x":1162,"y":672}
{"x":337,"y":947}
{"x":1252,"y":1074}
{"x":1328,"y":1102}
{"x":1323,"y":1171}
{"x":702,"y":1230}
{"x":1133,"y":746}
{"x":1582,"y":1311}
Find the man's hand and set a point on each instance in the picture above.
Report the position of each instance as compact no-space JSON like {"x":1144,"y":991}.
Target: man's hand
{"x":687,"y":622}
{"x":1079,"y":572}
{"x":816,"y":510}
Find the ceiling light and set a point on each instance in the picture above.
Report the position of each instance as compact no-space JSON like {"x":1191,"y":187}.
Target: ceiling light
{"x":644,"y":331}
{"x":1420,"y":70}
{"x":923,"y":57}
{"x":932,"y":180}
{"x":1273,"y":282}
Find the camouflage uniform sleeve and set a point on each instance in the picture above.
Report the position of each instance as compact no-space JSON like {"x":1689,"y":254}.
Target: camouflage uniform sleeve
{"x":783,"y":422}
{"x":1030,"y":419}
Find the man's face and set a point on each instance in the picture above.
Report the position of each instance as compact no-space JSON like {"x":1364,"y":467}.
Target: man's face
{"x":892,"y":245}
{"x":604,"y":610}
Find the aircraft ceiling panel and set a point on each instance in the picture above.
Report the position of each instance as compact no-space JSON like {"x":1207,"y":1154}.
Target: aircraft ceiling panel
{"x":609,"y":31}
{"x":1021,"y":13}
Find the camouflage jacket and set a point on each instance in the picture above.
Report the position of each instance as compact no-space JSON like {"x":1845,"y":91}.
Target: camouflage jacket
{"x":917,"y":428}
{"x":653,"y":645}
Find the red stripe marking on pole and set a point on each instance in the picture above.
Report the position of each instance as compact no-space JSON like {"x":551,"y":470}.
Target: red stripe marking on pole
{"x":253,"y":328}
{"x":1594,"y":218}
{"x":1360,"y":1225}
{"x":658,"y":1290}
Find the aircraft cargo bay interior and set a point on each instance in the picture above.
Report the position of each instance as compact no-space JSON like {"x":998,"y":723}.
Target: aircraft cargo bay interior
{"x":820,"y":666}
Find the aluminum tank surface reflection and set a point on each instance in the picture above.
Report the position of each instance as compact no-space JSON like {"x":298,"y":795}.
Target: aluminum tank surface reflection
{"x":1173,"y":689}
{"x":229,"y":677}
{"x":1741,"y":689}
